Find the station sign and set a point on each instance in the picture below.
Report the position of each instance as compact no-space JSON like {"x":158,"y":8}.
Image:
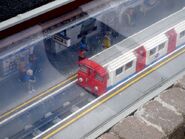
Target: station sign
{"x":62,"y":39}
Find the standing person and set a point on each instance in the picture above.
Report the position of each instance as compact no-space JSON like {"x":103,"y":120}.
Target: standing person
{"x":83,"y":44}
{"x":130,"y":16}
{"x":22,"y":70}
{"x":148,"y":5}
{"x":33,"y":62}
{"x":107,"y":40}
{"x":30,"y":80}
{"x":81,"y":55}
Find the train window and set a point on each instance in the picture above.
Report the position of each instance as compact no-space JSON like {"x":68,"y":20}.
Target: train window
{"x":161,"y":46}
{"x":83,"y":69}
{"x":91,"y":71}
{"x":99,"y":78}
{"x":182,"y":34}
{"x":128,"y":65}
{"x":119,"y":70}
{"x":152,"y":51}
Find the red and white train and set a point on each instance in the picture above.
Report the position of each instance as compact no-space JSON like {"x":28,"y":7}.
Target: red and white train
{"x":132,"y":55}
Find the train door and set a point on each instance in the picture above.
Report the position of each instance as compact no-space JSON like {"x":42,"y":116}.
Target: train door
{"x":172,"y":36}
{"x":141,"y":58}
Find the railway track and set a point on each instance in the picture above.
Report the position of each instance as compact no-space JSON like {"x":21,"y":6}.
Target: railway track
{"x":51,"y":118}
{"x":46,"y":112}
{"x":33,"y":101}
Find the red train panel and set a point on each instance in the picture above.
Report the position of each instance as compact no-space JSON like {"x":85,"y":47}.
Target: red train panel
{"x":141,"y":58}
{"x":172,"y":39}
{"x":93,"y":77}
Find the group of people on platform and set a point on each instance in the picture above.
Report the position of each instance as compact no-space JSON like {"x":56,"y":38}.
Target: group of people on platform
{"x":146,"y":6}
{"x":130,"y":18}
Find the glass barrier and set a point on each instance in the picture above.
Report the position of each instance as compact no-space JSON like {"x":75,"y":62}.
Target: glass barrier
{"x":47,"y":54}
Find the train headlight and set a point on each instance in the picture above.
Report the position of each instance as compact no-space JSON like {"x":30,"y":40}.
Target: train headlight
{"x":96,"y":88}
{"x":80,"y":80}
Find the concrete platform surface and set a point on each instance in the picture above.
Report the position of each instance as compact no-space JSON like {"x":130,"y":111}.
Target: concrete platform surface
{"x":161,"y":118}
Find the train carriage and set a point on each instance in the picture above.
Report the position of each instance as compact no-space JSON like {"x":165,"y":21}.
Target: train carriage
{"x":121,"y":68}
{"x":135,"y":53}
{"x":156,"y":48}
{"x":172,"y":40}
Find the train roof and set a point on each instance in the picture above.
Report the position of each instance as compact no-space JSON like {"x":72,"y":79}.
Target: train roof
{"x":139,"y":38}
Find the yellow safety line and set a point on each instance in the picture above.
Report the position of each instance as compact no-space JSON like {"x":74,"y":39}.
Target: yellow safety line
{"x":112,"y":95}
{"x":36,"y":97}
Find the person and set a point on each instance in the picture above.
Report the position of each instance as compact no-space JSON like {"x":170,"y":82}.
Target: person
{"x":130,"y":16}
{"x":83,"y":44}
{"x":81,"y":55}
{"x":22,"y":70}
{"x":148,"y":5}
{"x":30,"y":80}
{"x":26,"y":74}
{"x":106,"y":40}
{"x":33,"y":62}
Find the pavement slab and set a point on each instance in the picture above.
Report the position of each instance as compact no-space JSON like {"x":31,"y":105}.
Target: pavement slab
{"x":162,"y":118}
{"x":174,"y":97}
{"x":181,"y":83}
{"x":109,"y":135}
{"x":134,"y":128}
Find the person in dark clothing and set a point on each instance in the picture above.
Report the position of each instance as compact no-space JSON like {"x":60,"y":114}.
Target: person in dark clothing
{"x":33,"y":62}
{"x":81,"y":55}
{"x":130,"y":16}
{"x":83,"y":44}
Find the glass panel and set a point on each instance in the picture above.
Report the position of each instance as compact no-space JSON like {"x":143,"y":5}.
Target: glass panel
{"x":119,"y":70}
{"x":152,"y":51}
{"x":182,"y":34}
{"x":128,"y":65}
{"x":99,"y":78}
{"x":161,"y":46}
{"x":83,"y":69}
{"x":33,"y":61}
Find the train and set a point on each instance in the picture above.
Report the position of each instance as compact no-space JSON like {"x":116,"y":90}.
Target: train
{"x":132,"y":55}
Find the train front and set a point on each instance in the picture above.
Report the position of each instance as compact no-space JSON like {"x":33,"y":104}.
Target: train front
{"x":92,"y":77}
